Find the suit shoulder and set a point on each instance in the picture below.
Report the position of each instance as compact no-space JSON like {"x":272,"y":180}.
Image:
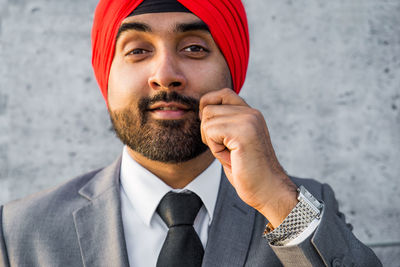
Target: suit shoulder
{"x":53,"y":201}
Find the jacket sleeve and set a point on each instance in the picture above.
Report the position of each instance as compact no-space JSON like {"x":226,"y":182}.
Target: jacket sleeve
{"x":332,"y":243}
{"x":3,"y":251}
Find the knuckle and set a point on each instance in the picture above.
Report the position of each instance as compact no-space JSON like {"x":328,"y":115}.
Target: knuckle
{"x":227,"y":91}
{"x":252,"y":116}
{"x":206,"y":112}
{"x":205,"y":126}
{"x":258,"y":116}
{"x":203,"y":102}
{"x":256,"y":112}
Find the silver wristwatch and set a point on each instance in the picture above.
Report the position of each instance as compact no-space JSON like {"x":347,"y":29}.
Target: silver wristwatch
{"x":307,"y":210}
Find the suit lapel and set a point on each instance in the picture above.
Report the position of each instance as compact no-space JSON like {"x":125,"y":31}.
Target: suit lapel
{"x":100,"y":230}
{"x":231,"y":229}
{"x":99,"y":223}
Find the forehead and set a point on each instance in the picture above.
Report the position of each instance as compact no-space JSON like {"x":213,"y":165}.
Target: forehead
{"x":163,"y":22}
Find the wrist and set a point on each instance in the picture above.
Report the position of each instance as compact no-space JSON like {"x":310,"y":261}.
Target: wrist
{"x":307,"y":210}
{"x":279,"y":202}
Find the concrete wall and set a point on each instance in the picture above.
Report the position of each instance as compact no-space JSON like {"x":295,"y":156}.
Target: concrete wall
{"x":326,"y":75}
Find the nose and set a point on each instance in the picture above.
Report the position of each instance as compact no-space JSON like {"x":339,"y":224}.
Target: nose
{"x":167,"y":74}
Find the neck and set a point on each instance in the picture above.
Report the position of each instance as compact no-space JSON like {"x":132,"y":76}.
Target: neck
{"x":176,"y":175}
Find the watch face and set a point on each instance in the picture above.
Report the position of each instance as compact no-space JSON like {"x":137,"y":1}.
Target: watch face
{"x":309,"y":199}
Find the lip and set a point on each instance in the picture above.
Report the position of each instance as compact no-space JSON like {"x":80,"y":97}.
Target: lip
{"x":169,"y":111}
{"x":169,"y":105}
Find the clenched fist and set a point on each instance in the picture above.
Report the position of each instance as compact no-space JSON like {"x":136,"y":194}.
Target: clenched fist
{"x":238,"y":137}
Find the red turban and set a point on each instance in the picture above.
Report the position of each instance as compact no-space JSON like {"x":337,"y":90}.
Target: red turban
{"x":226,"y":20}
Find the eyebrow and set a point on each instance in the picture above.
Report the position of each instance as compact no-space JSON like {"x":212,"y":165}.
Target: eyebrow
{"x":136,"y":26}
{"x":191,"y":26}
{"x":179,"y":28}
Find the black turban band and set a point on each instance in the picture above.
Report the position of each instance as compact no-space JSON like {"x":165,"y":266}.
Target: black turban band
{"x":159,"y":6}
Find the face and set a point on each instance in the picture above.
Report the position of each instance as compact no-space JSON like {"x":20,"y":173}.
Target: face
{"x":163,"y":64}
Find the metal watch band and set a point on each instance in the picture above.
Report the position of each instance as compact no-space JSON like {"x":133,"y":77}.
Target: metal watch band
{"x":308,"y":209}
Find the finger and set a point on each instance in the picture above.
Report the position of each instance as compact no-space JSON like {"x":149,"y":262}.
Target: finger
{"x":221,"y":97}
{"x":212,"y":111}
{"x":215,"y":142}
{"x":224,"y":158}
{"x":235,"y":119}
{"x":216,"y":132}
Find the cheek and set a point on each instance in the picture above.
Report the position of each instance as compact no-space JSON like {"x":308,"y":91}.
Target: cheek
{"x":210,"y":77}
{"x":224,"y":73}
{"x":125,"y":86}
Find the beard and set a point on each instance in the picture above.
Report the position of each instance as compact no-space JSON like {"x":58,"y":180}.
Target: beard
{"x":168,"y":141}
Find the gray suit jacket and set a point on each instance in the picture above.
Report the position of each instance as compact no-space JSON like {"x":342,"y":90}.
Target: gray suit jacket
{"x":79,"y":224}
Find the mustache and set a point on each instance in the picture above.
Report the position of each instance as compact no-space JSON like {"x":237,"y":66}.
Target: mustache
{"x":145,"y":102}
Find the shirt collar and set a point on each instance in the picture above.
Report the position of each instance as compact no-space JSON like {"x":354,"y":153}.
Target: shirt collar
{"x":145,"y":190}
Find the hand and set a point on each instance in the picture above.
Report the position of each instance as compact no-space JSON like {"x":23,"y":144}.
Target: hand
{"x":238,"y":137}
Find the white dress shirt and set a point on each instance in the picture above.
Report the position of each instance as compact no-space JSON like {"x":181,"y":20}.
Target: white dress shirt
{"x":141,"y":192}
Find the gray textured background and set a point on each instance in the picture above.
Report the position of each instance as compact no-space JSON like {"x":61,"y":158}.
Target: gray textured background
{"x":326,"y":76}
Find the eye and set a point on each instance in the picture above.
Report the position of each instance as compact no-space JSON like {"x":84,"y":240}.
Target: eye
{"x":195,"y":49}
{"x":137,"y":51}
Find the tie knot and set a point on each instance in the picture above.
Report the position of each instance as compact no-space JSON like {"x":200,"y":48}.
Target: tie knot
{"x":179,"y":208}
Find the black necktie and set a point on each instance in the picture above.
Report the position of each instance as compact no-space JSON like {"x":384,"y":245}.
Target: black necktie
{"x":182,"y":247}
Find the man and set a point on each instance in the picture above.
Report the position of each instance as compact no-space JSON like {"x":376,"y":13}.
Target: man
{"x":170,"y":72}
